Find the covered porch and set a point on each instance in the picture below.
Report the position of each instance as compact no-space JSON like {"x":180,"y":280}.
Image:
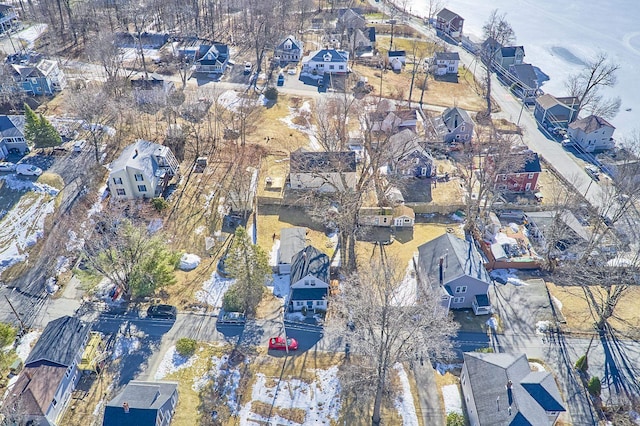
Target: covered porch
{"x":481,"y":305}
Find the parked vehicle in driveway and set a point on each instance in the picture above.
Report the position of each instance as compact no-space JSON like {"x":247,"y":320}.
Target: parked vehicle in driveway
{"x":279,"y":344}
{"x":78,"y":145}
{"x":247,"y":67}
{"x":593,"y":173}
{"x":281,"y":80}
{"x":6,"y":166}
{"x":162,"y":312}
{"x":28,"y":170}
{"x":231,"y":318}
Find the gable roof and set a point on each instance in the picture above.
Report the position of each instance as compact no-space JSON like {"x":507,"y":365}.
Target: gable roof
{"x":60,"y":343}
{"x":312,"y":261}
{"x":11,"y":126}
{"x":336,"y":55}
{"x":447,"y":15}
{"x":396,"y":53}
{"x":35,"y":389}
{"x":447,"y":56}
{"x":322,"y":162}
{"x":460,"y":258}
{"x":454,"y":117}
{"x":143,"y":398}
{"x":590,"y":124}
{"x":292,"y":240}
{"x":309,"y":293}
{"x":140,"y":155}
{"x":526,"y":74}
{"x":295,"y":44}
{"x":547,"y":101}
{"x":212,"y":54}
{"x":532,"y":394}
{"x":403,"y":210}
{"x":510,"y":51}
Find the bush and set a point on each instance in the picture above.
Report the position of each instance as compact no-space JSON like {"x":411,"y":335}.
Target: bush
{"x":271,"y":94}
{"x":186,"y":347}
{"x":582,"y":364}
{"x":594,"y":386}
{"x":231,"y":301}
{"x":485,"y":350}
{"x":159,"y":204}
{"x":455,"y":419}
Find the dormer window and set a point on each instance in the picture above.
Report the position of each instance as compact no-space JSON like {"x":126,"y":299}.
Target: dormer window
{"x":327,"y":57}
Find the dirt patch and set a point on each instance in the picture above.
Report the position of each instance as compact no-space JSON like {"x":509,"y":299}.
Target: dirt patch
{"x":88,"y":400}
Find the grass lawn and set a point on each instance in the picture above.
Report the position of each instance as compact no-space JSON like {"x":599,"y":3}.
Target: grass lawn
{"x":90,"y":395}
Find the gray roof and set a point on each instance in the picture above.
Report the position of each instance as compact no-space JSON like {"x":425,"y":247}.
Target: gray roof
{"x":526,"y":74}
{"x":454,"y":117}
{"x":11,"y":126}
{"x":295,"y":44}
{"x":312,"y":261}
{"x":460,"y":258}
{"x":309,"y":293}
{"x":510,"y":51}
{"x":396,"y":53}
{"x":292,"y":240}
{"x":60,"y":343}
{"x":532,"y":393}
{"x":322,"y":162}
{"x":143,"y":398}
{"x":590,"y":124}
{"x":447,"y":56}
{"x":447,"y":15}
{"x":140,"y":155}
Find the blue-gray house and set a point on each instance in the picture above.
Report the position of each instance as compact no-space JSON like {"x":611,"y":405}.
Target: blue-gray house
{"x":212,"y":58}
{"x":50,"y":373}
{"x":12,"y":135}
{"x":42,"y":78}
{"x":142,"y":404}
{"x":556,"y":112}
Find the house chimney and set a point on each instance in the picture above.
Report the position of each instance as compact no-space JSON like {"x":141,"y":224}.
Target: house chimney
{"x":126,"y":407}
{"x":135,"y":153}
{"x":441,"y":270}
{"x":509,"y":385}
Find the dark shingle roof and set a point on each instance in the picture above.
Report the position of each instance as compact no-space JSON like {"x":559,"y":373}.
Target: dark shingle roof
{"x":590,"y":124}
{"x":309,"y":293}
{"x":61,"y":341}
{"x":482,"y":300}
{"x":447,"y":56}
{"x":461,"y":258}
{"x":510,"y":51}
{"x":312,"y":261}
{"x":526,"y":74}
{"x":143,"y":398}
{"x":396,"y":53}
{"x":454,"y":117}
{"x":447,"y":15}
{"x":531,"y":393}
{"x":336,"y":55}
{"x":322,"y":162}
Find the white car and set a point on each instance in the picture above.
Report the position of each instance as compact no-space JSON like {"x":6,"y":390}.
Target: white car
{"x":291,"y":71}
{"x":78,"y":145}
{"x":247,"y":67}
{"x":7,"y":167}
{"x":28,"y":170}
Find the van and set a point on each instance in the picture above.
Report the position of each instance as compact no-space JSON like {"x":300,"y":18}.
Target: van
{"x":78,"y":145}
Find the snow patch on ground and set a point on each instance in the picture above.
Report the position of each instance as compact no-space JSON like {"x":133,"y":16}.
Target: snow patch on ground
{"x":127,"y":341}
{"x":536,"y":366}
{"x":406,"y":292}
{"x":189,"y":262}
{"x":172,"y":362}
{"x":295,"y":316}
{"x":154,"y":225}
{"x":213,"y":289}
{"x":308,"y":129}
{"x":320,"y":399}
{"x":31,"y":34}
{"x":492,"y":323}
{"x":232,"y":101}
{"x":452,"y":399}
{"x":26,"y":343}
{"x":542,"y":327}
{"x":508,"y":276}
{"x":228,"y":379}
{"x":404,"y":402}
{"x":273,"y":254}
{"x":17,"y":184}
{"x":557,"y":302}
{"x":74,"y":243}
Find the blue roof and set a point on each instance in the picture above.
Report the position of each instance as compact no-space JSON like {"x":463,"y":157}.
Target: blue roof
{"x":533,"y":163}
{"x":309,"y":293}
{"x":144,"y":400}
{"x":336,"y":55}
{"x":510,"y":51}
{"x":396,"y":53}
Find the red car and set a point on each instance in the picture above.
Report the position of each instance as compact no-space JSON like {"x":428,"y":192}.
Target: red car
{"x":278,"y":344}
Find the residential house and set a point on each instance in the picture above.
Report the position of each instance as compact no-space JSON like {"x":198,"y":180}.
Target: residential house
{"x":397,"y":59}
{"x":509,"y":55}
{"x":403,"y":216}
{"x":400,"y":216}
{"x":394,"y":120}
{"x":289,"y":50}
{"x":449,"y":23}
{"x":292,"y":241}
{"x":152,"y":90}
{"x":455,"y":269}
{"x":563,"y":227}
{"x":322,"y":171}
{"x":12,"y":135}
{"x":329,"y":61}
{"x":525,"y":79}
{"x":350,"y":20}
{"x":361,"y":42}
{"x":501,"y":389}
{"x":43,"y":78}
{"x":406,"y":157}
{"x":142,"y":404}
{"x":454,"y":125}
{"x":8,"y":18}
{"x":212,"y":58}
{"x":43,"y":388}
{"x":592,"y":133}
{"x":446,"y":63}
{"x":309,"y":280}
{"x":524,"y":178}
{"x":551,"y":112}
{"x":143,"y":170}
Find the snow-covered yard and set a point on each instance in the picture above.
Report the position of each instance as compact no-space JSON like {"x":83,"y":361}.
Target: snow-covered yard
{"x":404,"y":402}
{"x":320,"y":399}
{"x":127,"y":341}
{"x":213,"y":289}
{"x":308,"y":129}
{"x":26,"y":344}
{"x":172,"y":362}
{"x":452,"y":399}
{"x":227,"y":380}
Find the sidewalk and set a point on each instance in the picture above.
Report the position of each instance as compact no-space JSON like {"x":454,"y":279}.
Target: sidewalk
{"x":430,"y":409}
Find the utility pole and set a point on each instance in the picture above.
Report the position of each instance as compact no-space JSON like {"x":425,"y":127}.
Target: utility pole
{"x":22,"y":324}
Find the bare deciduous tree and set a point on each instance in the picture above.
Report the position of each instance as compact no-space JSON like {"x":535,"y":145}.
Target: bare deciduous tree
{"x":598,"y":73}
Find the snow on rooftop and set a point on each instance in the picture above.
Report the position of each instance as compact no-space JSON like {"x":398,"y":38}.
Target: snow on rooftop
{"x":452,"y":399}
{"x":319,"y":399}
{"x":172,"y":362}
{"x":404,"y":402}
{"x":213,"y":289}
{"x":26,"y":344}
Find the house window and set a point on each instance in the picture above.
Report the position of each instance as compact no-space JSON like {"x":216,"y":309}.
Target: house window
{"x":407,"y":220}
{"x":120,"y":191}
{"x":462,"y":128}
{"x":160,"y":417}
{"x":54,"y":402}
{"x":466,"y":137}
{"x":142,"y":188}
{"x":138,"y":177}
{"x":458,"y":300}
{"x":530,"y":175}
{"x":341,"y":67}
{"x":331,"y":67}
{"x":461,"y":289}
{"x":319,"y":303}
{"x":117,"y":181}
{"x":299,"y":303}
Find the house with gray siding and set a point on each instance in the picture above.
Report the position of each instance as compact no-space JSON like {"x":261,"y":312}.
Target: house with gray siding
{"x":12,"y":135}
{"x":142,"y":404}
{"x":454,"y":268}
{"x":592,"y":133}
{"x":551,"y":112}
{"x":289,"y":50}
{"x":501,"y":389}
{"x":453,"y":126}
{"x":50,"y":373}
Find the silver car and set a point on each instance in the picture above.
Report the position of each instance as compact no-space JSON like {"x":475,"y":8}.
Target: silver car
{"x":6,"y":166}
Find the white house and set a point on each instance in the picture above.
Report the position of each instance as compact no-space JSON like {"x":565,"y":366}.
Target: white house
{"x":309,"y":280}
{"x":446,"y":63}
{"x":143,"y":170}
{"x":12,"y":135}
{"x":322,"y":171}
{"x":329,"y":61}
{"x":289,"y":50}
{"x":592,"y":133}
{"x":212,"y":58}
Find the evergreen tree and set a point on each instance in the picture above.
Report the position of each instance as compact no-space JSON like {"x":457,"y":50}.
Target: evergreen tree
{"x":39,"y":130}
